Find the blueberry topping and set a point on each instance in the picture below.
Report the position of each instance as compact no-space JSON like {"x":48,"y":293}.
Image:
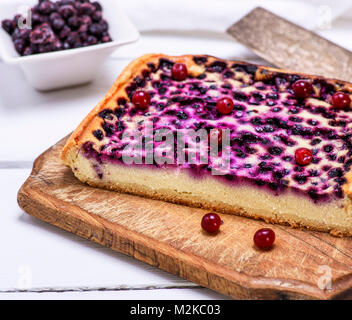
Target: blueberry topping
{"x":216,"y":66}
{"x":328,"y":148}
{"x":200,"y":60}
{"x":98,"y":134}
{"x":275,"y":151}
{"x":109,"y":129}
{"x":106,"y":114}
{"x":336,"y":172}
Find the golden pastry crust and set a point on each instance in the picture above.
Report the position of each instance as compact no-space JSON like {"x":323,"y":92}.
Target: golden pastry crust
{"x":72,"y":157}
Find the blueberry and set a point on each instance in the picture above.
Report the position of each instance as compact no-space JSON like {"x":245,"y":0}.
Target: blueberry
{"x":73,"y":38}
{"x":228,"y":74}
{"x":200,"y":60}
{"x":46,"y":7}
{"x":341,"y":159}
{"x":270,"y":103}
{"x":34,"y":48}
{"x":300,"y":178}
{"x":42,"y":35}
{"x":44,"y":19}
{"x":37,"y":19}
{"x":44,"y":48}
{"x":54,"y":16}
{"x":106,"y":39}
{"x":83,"y":29}
{"x":268,"y":128}
{"x":91,"y":40}
{"x":272,"y":96}
{"x":19,"y":45}
{"x":315,"y":141}
{"x":182,"y":115}
{"x":16,"y":34}
{"x":8,"y":26}
{"x":96,"y":29}
{"x":65,"y":2}
{"x":86,"y":20}
{"x":58,"y":24}
{"x":256,"y":121}
{"x":21,"y":34}
{"x":240,"y":96}
{"x":97,"y":16}
{"x":109,"y":129}
{"x":287,"y":158}
{"x":104,"y":25}
{"x":217,"y":66}
{"x":276,"y":109}
{"x":276,"y":151}
{"x":97,"y":6}
{"x":313,"y":194}
{"x":83,"y":37}
{"x":336,"y":172}
{"x":86,"y":8}
{"x":74,"y":23}
{"x":64,"y":32}
{"x":78,"y":44}
{"x":258,"y":96}
{"x":121,"y":102}
{"x":67,"y":11}
{"x":98,"y":134}
{"x":27,"y":51}
{"x":328,"y":148}
{"x":251,"y":69}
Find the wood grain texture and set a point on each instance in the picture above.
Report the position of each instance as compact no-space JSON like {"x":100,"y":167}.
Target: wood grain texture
{"x":288,"y":46}
{"x":169,"y":237}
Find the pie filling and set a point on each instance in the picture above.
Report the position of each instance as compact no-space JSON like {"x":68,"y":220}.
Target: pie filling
{"x":267,"y":125}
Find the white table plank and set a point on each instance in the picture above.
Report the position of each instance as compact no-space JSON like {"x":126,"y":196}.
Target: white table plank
{"x":37,"y":256}
{"x":158,"y":294}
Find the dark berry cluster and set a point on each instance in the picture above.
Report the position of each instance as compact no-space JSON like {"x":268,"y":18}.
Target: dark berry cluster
{"x":60,"y":25}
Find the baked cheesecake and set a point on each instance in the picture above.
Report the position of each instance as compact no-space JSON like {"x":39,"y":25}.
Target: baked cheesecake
{"x":227,"y":136}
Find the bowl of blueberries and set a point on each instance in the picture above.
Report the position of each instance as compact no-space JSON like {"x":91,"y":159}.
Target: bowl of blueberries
{"x":62,"y":43}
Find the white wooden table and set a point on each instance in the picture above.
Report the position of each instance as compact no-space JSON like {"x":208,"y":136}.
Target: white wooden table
{"x":39,"y":261}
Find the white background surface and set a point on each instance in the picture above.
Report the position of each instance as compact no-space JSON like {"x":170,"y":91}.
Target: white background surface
{"x":39,"y":261}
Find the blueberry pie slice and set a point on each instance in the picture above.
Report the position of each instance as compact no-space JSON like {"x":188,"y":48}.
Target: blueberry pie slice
{"x":224,"y":135}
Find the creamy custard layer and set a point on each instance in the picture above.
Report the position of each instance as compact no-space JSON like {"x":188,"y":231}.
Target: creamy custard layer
{"x":177,"y":186}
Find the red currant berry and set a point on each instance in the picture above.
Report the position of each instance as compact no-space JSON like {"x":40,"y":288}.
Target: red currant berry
{"x":141,"y":99}
{"x":341,"y":100}
{"x":302,"y":89}
{"x":179,"y":71}
{"x":224,"y":105}
{"x":211,"y":222}
{"x":303,"y":156}
{"x":215,"y":134}
{"x":264,"y":238}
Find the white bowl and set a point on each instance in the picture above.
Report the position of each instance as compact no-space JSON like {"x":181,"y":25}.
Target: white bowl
{"x":47,"y":71}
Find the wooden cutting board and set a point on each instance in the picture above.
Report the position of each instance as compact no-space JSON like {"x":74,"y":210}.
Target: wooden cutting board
{"x":169,"y":237}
